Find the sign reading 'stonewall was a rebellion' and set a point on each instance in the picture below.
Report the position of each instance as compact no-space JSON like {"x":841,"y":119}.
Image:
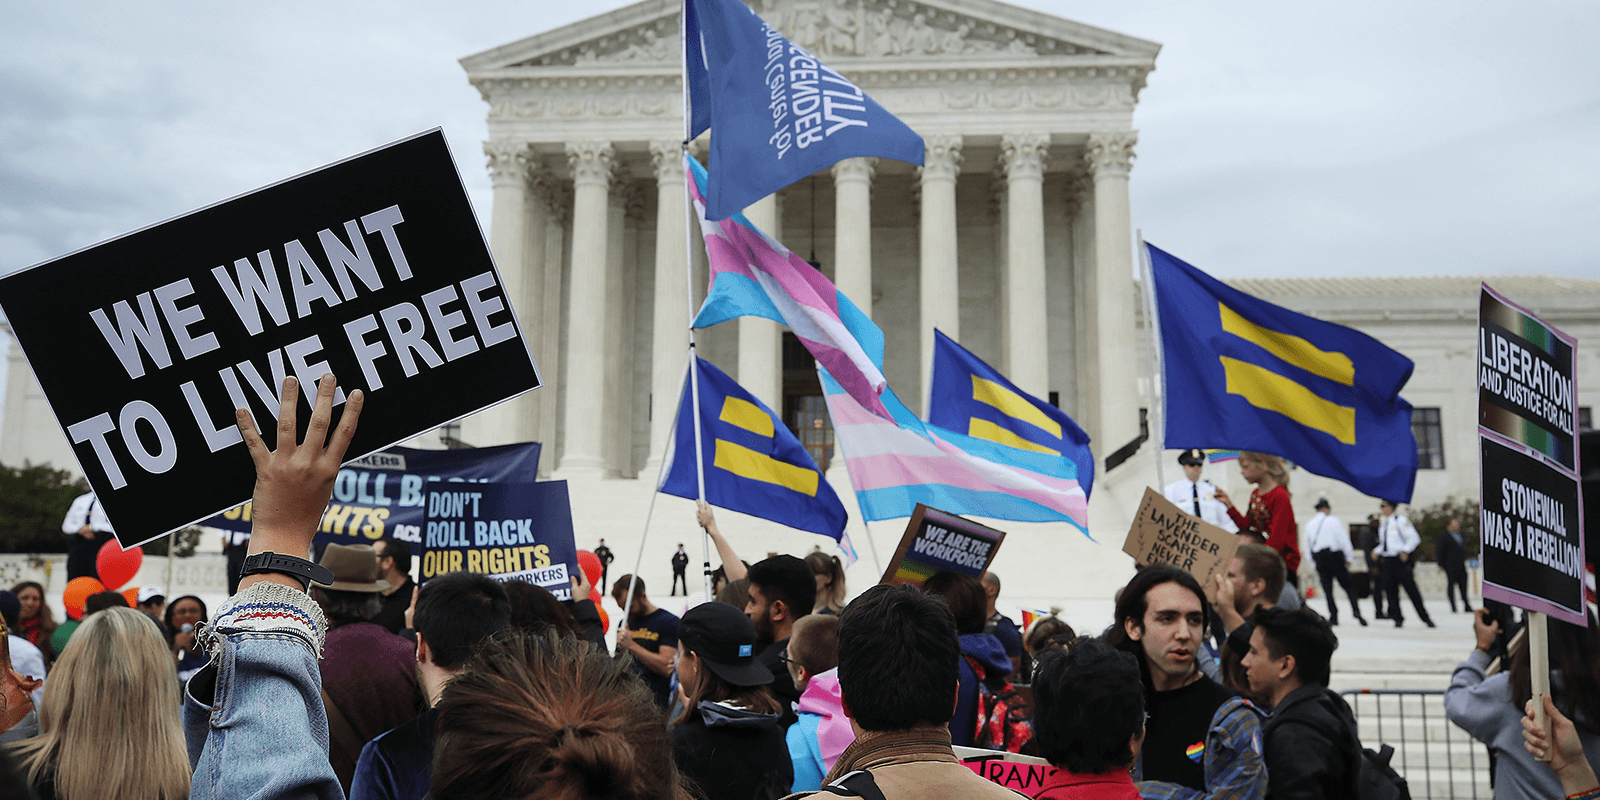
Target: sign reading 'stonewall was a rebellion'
{"x":373,"y":268}
{"x":938,"y":542}
{"x":1162,"y":533}
{"x":1531,"y":512}
{"x":384,"y":494}
{"x":508,"y":531}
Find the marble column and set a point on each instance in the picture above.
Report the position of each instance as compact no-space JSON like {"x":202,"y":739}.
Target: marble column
{"x":1026,"y":339}
{"x":852,"y":249}
{"x":592,"y":164}
{"x":761,"y":340}
{"x":508,"y":239}
{"x":556,"y":208}
{"x":938,"y":281}
{"x":1110,"y":157}
{"x":671,"y":324}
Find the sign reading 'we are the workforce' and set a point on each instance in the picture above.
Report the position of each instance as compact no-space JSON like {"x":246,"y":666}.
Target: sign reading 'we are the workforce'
{"x":373,"y":268}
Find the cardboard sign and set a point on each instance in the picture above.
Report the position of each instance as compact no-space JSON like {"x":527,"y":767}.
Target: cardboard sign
{"x":384,"y":493}
{"x":373,"y":268}
{"x":508,"y":531}
{"x":1163,"y":534}
{"x":1025,"y":774}
{"x":1531,"y":500}
{"x":935,"y":542}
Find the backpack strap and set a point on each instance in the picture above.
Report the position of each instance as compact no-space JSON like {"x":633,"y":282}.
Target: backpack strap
{"x":856,"y":784}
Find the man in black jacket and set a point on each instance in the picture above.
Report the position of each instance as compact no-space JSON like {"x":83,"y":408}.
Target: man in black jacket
{"x":1451,"y":551}
{"x":1310,"y":742}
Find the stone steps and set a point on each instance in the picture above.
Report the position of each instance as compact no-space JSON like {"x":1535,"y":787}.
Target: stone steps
{"x":1437,"y":758}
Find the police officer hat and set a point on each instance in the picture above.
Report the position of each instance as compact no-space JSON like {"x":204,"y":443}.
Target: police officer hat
{"x":1321,"y":504}
{"x":1192,"y":458}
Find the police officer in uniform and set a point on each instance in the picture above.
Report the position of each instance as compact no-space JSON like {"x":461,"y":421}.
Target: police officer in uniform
{"x":1196,"y":496}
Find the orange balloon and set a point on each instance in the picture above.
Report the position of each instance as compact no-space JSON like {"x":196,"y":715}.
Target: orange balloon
{"x":605,"y":619}
{"x":132,"y":595}
{"x":77,"y":593}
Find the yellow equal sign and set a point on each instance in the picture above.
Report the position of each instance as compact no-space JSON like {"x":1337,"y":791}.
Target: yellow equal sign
{"x":1268,"y":390}
{"x":1014,"y":406}
{"x":747,"y":463}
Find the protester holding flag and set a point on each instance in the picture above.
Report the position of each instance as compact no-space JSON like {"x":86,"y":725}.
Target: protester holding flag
{"x":1270,"y":514}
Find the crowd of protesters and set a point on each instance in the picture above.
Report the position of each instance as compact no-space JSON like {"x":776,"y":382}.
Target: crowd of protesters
{"x":344,"y":679}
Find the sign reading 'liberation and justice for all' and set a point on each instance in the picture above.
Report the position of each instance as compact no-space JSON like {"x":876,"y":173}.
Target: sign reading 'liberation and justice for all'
{"x":1531,"y":500}
{"x":373,"y":268}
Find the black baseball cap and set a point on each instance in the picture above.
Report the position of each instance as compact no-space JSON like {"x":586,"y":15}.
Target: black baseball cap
{"x":724,"y":638}
{"x":1192,"y":457}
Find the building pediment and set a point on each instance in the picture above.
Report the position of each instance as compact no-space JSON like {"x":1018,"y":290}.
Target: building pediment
{"x":645,"y":35}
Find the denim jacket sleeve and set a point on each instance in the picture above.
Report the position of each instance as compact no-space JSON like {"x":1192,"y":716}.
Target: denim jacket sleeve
{"x":253,"y":718}
{"x":1233,"y":759}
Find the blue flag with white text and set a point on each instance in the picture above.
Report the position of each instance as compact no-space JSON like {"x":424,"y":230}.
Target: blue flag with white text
{"x":971,"y":397}
{"x":776,"y":112}
{"x":1244,"y":374}
{"x":753,"y":463}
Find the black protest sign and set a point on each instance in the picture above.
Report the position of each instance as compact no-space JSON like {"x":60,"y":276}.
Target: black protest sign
{"x":1162,"y":533}
{"x":1532,"y":549}
{"x":373,"y":268}
{"x":1531,"y":508}
{"x":384,"y":494}
{"x":508,"y":531}
{"x":935,"y":541}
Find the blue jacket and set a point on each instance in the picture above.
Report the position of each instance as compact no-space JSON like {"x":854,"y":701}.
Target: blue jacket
{"x":253,"y":717}
{"x":991,"y":656}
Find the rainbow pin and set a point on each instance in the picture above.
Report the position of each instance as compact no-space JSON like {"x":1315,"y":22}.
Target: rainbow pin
{"x":1195,"y":751}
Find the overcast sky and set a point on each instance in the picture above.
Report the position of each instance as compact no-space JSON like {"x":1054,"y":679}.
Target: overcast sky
{"x":1356,"y":138}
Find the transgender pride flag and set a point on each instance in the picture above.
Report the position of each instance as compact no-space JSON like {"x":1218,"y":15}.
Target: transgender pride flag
{"x":754,"y":275}
{"x":896,"y":463}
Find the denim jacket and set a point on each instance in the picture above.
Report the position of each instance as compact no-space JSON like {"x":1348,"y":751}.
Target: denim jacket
{"x":253,"y":717}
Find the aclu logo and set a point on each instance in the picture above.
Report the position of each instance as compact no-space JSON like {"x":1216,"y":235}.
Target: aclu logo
{"x":809,"y":100}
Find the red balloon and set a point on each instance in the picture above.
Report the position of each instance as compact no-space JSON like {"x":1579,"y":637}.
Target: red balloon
{"x":590,"y":564}
{"x":116,"y":565}
{"x":77,"y":593}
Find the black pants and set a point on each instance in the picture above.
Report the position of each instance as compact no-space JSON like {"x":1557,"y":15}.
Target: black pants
{"x":678,"y":577}
{"x":1456,"y":579}
{"x":1380,"y":584}
{"x":1397,"y":574}
{"x":1330,"y":568}
{"x":82,"y":553}
{"x":605,"y":576}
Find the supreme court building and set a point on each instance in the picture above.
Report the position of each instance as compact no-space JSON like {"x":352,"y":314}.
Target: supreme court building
{"x":1014,"y":238}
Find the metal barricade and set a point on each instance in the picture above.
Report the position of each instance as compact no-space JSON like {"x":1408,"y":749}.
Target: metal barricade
{"x":1438,"y":759}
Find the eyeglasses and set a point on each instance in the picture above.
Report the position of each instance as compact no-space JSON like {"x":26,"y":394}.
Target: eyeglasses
{"x":784,"y":657}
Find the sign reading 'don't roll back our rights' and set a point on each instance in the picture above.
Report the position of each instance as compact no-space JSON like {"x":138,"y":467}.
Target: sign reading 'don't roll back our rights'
{"x":1531,"y":503}
{"x":372,"y":268}
{"x":508,"y":531}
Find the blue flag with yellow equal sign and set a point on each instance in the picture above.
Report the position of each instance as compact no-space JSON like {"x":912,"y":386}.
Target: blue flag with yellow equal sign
{"x":1244,"y":374}
{"x":969,"y":396}
{"x":753,"y":463}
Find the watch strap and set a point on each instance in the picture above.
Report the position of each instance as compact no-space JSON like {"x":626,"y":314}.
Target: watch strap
{"x":307,"y":572}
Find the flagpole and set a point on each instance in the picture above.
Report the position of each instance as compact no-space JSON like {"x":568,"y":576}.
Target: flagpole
{"x":638,"y":560}
{"x":1158,"y":381}
{"x":688,"y":266}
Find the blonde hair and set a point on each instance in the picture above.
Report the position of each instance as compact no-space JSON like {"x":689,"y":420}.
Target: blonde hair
{"x":109,"y":725}
{"x":1272,"y":464}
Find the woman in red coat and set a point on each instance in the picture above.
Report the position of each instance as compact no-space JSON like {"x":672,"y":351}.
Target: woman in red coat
{"x":1270,"y":515}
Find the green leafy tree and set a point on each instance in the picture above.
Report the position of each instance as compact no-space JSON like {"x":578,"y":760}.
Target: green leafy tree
{"x":1431,"y":520}
{"x":33,"y":501}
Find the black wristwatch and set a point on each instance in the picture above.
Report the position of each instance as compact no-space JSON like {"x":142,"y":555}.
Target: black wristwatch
{"x":300,"y":569}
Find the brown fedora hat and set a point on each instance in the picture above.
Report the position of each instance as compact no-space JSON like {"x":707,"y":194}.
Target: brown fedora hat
{"x":354,"y":568}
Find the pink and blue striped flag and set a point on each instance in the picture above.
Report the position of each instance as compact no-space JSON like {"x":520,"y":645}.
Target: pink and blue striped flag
{"x":754,"y":275}
{"x":896,"y":463}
